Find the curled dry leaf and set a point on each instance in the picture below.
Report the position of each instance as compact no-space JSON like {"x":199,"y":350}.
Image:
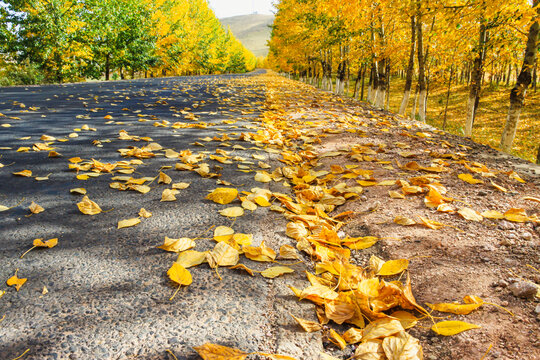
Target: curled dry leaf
{"x":336,"y":339}
{"x":88,"y":207}
{"x":47,"y":243}
{"x":78,"y":191}
{"x":164,"y":178}
{"x":168,"y":195}
{"x":223,"y":233}
{"x":16,"y":281}
{"x":288,"y":252}
{"x":382,"y":328}
{"x":262,"y":176}
{"x":405,"y":221}
{"x":353,"y":335}
{"x":145,"y":213}
{"x":470,"y":179}
{"x":23,"y":173}
{"x":180,"y":186}
{"x":370,"y":350}
{"x":35,"y":208}
{"x":307,"y":325}
{"x":262,"y":253}
{"x":128,"y":223}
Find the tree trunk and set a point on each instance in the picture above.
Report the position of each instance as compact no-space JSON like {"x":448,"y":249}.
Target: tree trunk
{"x":517,"y":95}
{"x":534,"y":77}
{"x":387,"y":106}
{"x":476,"y":84}
{"x":410,"y":70}
{"x":509,"y":74}
{"x":421,"y":68}
{"x":363,"y":83}
{"x":107,"y":67}
{"x":342,"y":71}
{"x":413,"y":111}
{"x":448,"y":96}
{"x":357,"y":81}
{"x":381,"y":84}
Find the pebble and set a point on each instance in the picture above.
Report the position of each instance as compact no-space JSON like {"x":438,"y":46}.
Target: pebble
{"x":505,"y":225}
{"x":506,"y":242}
{"x":523,"y":289}
{"x":527,"y":236}
{"x":537,"y":310}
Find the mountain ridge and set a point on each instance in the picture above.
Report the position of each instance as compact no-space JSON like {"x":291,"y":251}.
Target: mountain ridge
{"x":252,"y":30}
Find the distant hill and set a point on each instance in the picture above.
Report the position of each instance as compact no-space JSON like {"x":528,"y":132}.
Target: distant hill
{"x":252,"y":30}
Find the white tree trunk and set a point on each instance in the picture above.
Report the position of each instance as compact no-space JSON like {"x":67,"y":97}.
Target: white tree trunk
{"x":510,"y":128}
{"x":404,"y":102}
{"x":379,"y":99}
{"x":422,"y":105}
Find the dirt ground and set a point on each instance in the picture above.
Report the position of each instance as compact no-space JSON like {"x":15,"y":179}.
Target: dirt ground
{"x":482,"y":258}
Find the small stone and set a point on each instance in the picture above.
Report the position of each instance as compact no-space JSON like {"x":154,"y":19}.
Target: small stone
{"x":537,"y":310}
{"x":523,"y":289}
{"x":504,"y":303}
{"x":482,"y":193}
{"x":502,"y":283}
{"x":527,"y":236}
{"x":506,"y":225}
{"x":512,"y":236}
{"x":506,"y":242}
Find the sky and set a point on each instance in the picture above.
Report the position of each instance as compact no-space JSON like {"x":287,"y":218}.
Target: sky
{"x":226,"y":8}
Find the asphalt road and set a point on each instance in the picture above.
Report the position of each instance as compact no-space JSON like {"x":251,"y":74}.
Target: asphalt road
{"x":108,"y":293}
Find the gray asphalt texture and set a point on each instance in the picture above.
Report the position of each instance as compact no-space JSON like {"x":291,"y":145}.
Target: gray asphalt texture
{"x":108,"y":289}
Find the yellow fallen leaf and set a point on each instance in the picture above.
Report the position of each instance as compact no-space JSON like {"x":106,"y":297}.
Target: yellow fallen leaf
{"x":459,"y":309}
{"x":402,"y":346}
{"x":406,"y":319}
{"x":180,"y":185}
{"x":469,"y":179}
{"x":275,"y":356}
{"x":307,"y":325}
{"x":288,"y":252}
{"x":3,"y":208}
{"x":396,"y":195}
{"x":168,"y":195}
{"x":223,"y":195}
{"x":177,"y":245}
{"x":516,"y":215}
{"x":128,"y":223}
{"x":370,"y":350}
{"x":15,"y":281}
{"x":243,"y":267}
{"x":498,"y":187}
{"x":249,"y":205}
{"x":24,"y":173}
{"x":448,"y":328}
{"x":262,"y":253}
{"x":393,"y":267}
{"x":35,"y":208}
{"x":222,"y":255}
{"x":336,"y":339}
{"x":470,"y":214}
{"x":263,"y":177}
{"x":234,"y":211}
{"x":242,"y":239}
{"x":164,"y":178}
{"x":145,"y":213}
{"x":382,"y":328}
{"x":402,"y":220}
{"x":47,"y":243}
{"x":276,"y":271}
{"x":88,"y":207}
{"x":179,"y":274}
{"x":223,"y":233}
{"x":191,"y":258}
{"x":353,"y":335}
{"x":218,"y":352}
{"x":492,"y":214}
{"x":78,"y":191}
{"x":360,"y":243}
{"x":82,"y":177}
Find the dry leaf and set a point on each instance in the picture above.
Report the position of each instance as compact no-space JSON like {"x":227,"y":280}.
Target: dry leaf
{"x":470,"y":214}
{"x":402,"y":347}
{"x":15,"y":281}
{"x":469,"y":179}
{"x":402,"y":220}
{"x":393,"y":267}
{"x":223,"y":195}
{"x":262,"y":176}
{"x":243,"y":267}
{"x":234,"y":211}
{"x":164,"y":178}
{"x":382,"y":328}
{"x":336,"y":339}
{"x":177,"y":245}
{"x":47,"y":243}
{"x":179,"y":274}
{"x":168,"y":195}
{"x":35,"y":208}
{"x":128,"y":223}
{"x":448,"y":328}
{"x":458,"y":309}
{"x":276,"y":271}
{"x":307,"y":325}
{"x":218,"y":352}
{"x":78,"y":191}
{"x":262,"y":253}
{"x":222,"y":255}
{"x":88,"y":207}
{"x":370,"y":350}
{"x":223,"y":233}
{"x":288,"y":252}
{"x":24,"y":173}
{"x":145,"y":213}
{"x":191,"y":258}
{"x":180,"y":185}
